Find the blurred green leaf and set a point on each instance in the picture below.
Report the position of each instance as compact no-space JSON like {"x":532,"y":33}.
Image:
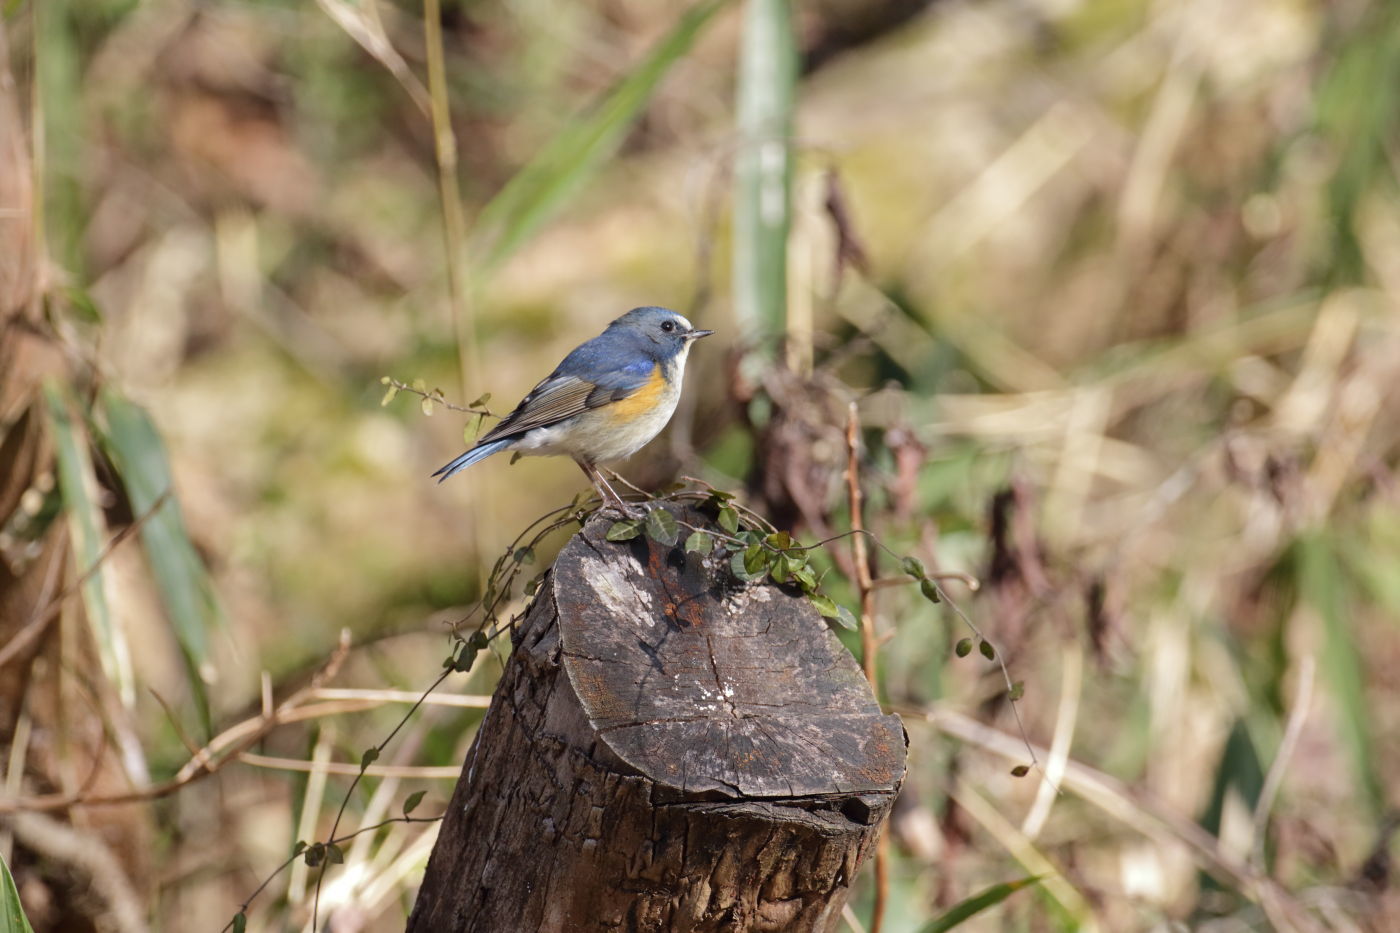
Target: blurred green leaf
{"x":1240,"y":769}
{"x":987,"y":650}
{"x":914,"y":568}
{"x":823,"y":604}
{"x":58,"y":76}
{"x":1020,"y":771}
{"x":412,"y":801}
{"x":333,"y":854}
{"x":930,"y":590}
{"x":12,"y":918}
{"x":1357,"y":109}
{"x":370,"y":756}
{"x":963,"y":647}
{"x":559,"y":169}
{"x":989,"y":897}
{"x":846,"y":618}
{"x":187,"y":593}
{"x":240,"y":922}
{"x":84,"y":308}
{"x":1322,"y":585}
{"x":763,"y":169}
{"x":86,"y":525}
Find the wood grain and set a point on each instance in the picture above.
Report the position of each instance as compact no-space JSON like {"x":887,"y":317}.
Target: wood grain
{"x":667,"y":750}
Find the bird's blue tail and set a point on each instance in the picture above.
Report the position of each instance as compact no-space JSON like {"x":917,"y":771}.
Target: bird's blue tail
{"x":477,"y":453}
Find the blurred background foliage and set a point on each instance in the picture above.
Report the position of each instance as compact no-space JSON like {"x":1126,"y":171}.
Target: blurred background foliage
{"x":1115,"y":283}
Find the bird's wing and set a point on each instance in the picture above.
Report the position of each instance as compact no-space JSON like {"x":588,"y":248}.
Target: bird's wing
{"x":564,"y":395}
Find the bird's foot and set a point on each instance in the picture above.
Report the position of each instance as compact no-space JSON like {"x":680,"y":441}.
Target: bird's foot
{"x":626,"y":509}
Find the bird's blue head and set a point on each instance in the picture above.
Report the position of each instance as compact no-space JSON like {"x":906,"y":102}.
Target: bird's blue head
{"x":659,"y":332}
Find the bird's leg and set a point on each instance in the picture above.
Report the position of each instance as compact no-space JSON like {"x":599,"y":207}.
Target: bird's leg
{"x":605,"y":490}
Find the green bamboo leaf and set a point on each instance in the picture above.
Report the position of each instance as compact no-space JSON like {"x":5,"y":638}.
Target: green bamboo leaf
{"x":763,"y":168}
{"x":559,"y":170}
{"x":186,"y":591}
{"x":979,"y":902}
{"x":1322,"y":585}
{"x":86,"y":525}
{"x":58,"y":73}
{"x":12,"y":918}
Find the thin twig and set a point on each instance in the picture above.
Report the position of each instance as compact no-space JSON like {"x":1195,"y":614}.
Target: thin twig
{"x":1138,"y":811}
{"x":202,"y":764}
{"x":454,"y":225}
{"x":243,"y":908}
{"x":437,"y":397}
{"x":346,"y":769}
{"x":869,"y":645}
{"x":345,"y":801}
{"x":1297,"y":717}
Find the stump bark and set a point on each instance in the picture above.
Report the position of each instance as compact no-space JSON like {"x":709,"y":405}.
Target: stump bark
{"x":666,"y":750}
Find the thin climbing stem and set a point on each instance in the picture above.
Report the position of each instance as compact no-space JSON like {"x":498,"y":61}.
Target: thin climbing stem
{"x":869,"y":642}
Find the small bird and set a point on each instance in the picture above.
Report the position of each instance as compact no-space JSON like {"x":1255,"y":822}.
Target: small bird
{"x":605,"y":401}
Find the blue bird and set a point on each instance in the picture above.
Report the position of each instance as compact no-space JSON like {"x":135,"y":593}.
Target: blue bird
{"x":605,"y":401}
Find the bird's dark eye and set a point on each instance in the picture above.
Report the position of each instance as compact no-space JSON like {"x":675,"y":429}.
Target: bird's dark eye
{"x":668,"y":326}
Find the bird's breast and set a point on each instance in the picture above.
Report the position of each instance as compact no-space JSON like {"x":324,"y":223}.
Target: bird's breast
{"x":620,"y":428}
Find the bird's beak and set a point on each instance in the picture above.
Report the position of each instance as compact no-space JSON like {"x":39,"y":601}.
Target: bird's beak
{"x":697,"y":334}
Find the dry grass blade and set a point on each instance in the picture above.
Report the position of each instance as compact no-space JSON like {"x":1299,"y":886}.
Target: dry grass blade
{"x":361,"y":22}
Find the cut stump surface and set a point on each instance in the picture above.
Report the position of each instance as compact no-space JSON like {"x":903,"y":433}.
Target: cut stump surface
{"x":668,"y":749}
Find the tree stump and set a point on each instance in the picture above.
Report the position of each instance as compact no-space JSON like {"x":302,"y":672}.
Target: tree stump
{"x":667,"y":750}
